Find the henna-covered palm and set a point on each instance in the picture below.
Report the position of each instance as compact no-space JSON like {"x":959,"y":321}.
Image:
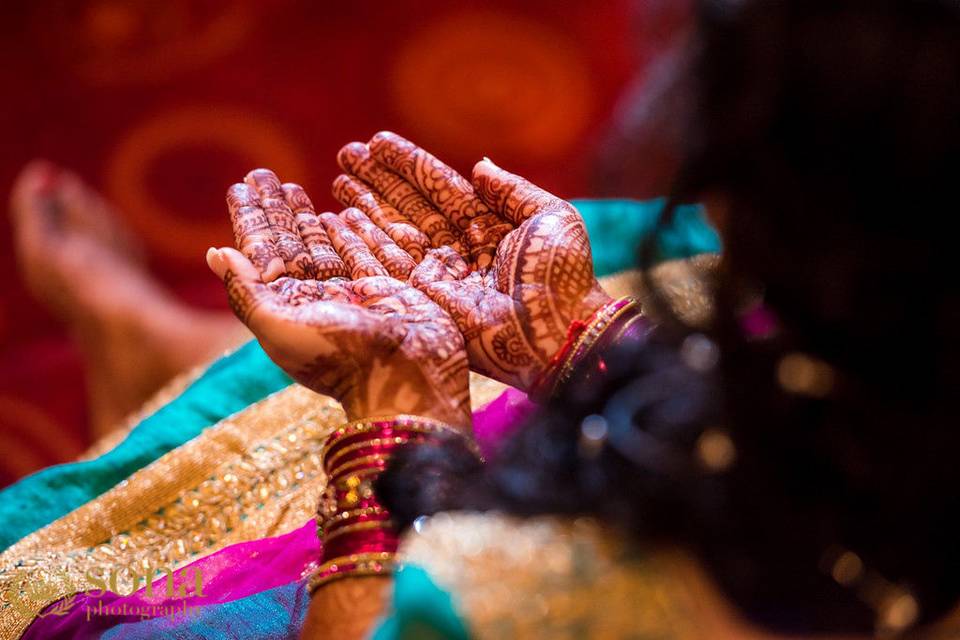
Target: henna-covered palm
{"x":373,"y":342}
{"x":413,"y":185}
{"x":514,"y":316}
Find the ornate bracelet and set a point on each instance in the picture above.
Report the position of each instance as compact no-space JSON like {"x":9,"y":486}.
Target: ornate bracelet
{"x":586,"y":340}
{"x":358,"y":537}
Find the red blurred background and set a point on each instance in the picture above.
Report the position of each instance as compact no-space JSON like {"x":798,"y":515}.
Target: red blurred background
{"x":162,"y":104}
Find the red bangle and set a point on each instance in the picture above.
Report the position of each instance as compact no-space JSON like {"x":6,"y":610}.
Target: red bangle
{"x":583,"y":339}
{"x":355,"y":529}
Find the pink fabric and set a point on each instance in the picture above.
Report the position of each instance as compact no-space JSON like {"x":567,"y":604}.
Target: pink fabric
{"x":496,"y":421}
{"x":230,"y":574}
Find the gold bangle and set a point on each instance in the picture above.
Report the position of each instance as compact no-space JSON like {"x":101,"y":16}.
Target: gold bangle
{"x":356,"y":513}
{"x":359,"y":462}
{"x":403,"y":422}
{"x":350,"y":448}
{"x":353,"y":566}
{"x":369,"y":525}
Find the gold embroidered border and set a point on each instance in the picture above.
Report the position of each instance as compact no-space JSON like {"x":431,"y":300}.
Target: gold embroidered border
{"x":253,"y":475}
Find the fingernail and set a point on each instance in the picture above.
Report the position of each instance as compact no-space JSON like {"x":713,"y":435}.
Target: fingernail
{"x":490,"y":162}
{"x":216,"y":262}
{"x":484,"y":260}
{"x":275,"y":269}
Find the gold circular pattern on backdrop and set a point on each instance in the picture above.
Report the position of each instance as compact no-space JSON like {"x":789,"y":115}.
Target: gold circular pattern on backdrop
{"x":171,"y":233}
{"x":493,"y":82}
{"x":112,"y":42}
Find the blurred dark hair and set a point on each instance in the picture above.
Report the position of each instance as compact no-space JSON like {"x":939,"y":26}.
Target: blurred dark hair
{"x":831,"y":131}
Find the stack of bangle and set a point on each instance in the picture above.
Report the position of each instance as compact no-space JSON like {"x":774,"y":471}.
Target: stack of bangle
{"x":357,"y":535}
{"x":586,"y":341}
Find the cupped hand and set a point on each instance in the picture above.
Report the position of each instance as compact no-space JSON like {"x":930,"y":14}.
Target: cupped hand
{"x":321,"y":293}
{"x":514,"y":315}
{"x":392,"y":179}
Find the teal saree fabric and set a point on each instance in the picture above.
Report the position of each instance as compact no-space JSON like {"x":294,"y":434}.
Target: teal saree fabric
{"x":229,"y":385}
{"x":276,"y":613}
{"x":615,"y":227}
{"x":420,"y":610}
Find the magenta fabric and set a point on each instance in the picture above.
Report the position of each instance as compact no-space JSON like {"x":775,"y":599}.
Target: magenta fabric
{"x":494,"y":423}
{"x":230,"y":574}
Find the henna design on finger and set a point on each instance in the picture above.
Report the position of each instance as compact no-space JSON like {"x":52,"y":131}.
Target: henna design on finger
{"x":354,"y":252}
{"x":514,"y":197}
{"x":515,"y":316}
{"x":245,"y":297}
{"x":484,"y":236}
{"x":440,"y":264}
{"x":356,"y":160}
{"x":286,"y":235}
{"x":352,"y":193}
{"x":252,"y":232}
{"x":450,"y":192}
{"x":326,"y":260}
{"x":397,"y":262}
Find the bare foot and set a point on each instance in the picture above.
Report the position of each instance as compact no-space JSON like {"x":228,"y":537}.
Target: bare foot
{"x":78,"y":259}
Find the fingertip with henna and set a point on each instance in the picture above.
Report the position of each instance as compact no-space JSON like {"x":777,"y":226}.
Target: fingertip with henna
{"x":275,"y":268}
{"x":228,"y":259}
{"x":351,"y":154}
{"x":215,"y":262}
{"x":381,"y":137}
{"x":486,"y":166}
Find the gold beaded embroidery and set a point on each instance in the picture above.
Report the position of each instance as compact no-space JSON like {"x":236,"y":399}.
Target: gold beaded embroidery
{"x":361,"y":564}
{"x":253,"y":475}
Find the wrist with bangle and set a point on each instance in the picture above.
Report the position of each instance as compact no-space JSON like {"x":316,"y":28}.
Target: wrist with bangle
{"x":585,"y":344}
{"x":355,"y":529}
